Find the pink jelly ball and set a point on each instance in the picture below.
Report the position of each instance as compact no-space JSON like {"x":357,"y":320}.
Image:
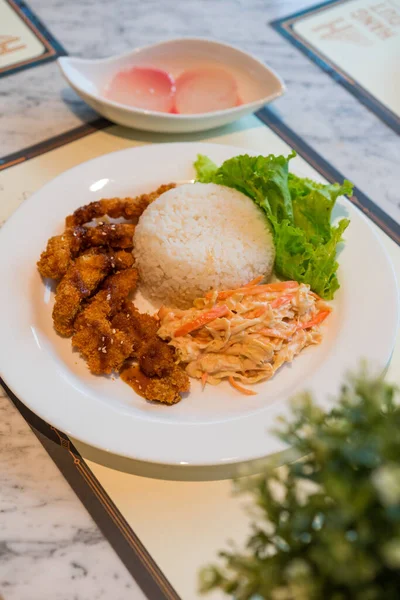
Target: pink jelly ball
{"x":205,"y":89}
{"x":143,"y":87}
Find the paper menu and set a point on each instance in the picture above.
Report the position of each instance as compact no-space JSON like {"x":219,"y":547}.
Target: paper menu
{"x":361,"y":39}
{"x":24,"y":40}
{"x":18,"y":43}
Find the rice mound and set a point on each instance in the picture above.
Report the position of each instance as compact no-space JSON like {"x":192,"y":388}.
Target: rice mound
{"x":198,"y":237}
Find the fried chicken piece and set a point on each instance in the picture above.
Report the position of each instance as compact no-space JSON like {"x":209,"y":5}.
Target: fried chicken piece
{"x":59,"y":253}
{"x":114,"y":235}
{"x":128,"y":208}
{"x":80,"y":281}
{"x":168,"y":389}
{"x":156,"y":358}
{"x":139,"y":327}
{"x":121,"y":260}
{"x":103,"y":346}
{"x":111,"y":296}
{"x":62,"y":249}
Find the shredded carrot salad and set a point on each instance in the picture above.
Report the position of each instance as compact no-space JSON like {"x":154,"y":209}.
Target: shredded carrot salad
{"x":244,"y":335}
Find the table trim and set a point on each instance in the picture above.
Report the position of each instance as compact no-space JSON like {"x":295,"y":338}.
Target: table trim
{"x":21,"y":156}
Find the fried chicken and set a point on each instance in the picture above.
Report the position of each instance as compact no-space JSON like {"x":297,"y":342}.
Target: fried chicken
{"x":121,"y":260}
{"x":138,"y":327}
{"x":111,"y":296}
{"x":62,"y":249}
{"x":114,"y":235}
{"x":168,"y":389}
{"x":95,"y":268}
{"x":156,"y":358}
{"x":103,"y":346}
{"x":59,"y":253}
{"x":128,"y":208}
{"x":80,"y":281}
{"x":104,"y":349}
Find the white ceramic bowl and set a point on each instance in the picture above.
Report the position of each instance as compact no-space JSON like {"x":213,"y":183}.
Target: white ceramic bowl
{"x":257,"y":83}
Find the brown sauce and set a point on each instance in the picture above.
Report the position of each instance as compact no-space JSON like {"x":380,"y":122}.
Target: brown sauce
{"x":137,"y":380}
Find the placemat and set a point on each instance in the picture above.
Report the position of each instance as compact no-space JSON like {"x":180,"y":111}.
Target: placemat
{"x":163,"y":530}
{"x":265,"y":115}
{"x":24,"y":40}
{"x":358,"y":43}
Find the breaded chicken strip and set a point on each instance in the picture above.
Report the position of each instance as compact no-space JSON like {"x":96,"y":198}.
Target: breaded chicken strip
{"x":60,"y":252}
{"x":114,"y":235}
{"x":80,"y":281}
{"x":139,"y":327}
{"x":121,"y":260}
{"x":110,"y":298}
{"x":62,"y":249}
{"x":128,"y":208}
{"x":156,"y":359}
{"x":168,"y":389}
{"x":104,"y":347}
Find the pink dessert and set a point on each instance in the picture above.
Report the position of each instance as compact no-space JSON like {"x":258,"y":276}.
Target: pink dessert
{"x":143,"y":87}
{"x":205,"y":89}
{"x":197,"y":90}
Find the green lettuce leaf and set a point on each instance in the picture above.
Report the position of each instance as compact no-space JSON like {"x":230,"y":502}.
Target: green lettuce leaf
{"x":300,"y":259}
{"x":298,"y":209}
{"x":263,"y":178}
{"x":312,"y":205}
{"x":205,"y":169}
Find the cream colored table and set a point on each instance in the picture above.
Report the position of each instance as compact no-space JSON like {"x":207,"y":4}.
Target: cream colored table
{"x":181,"y":523}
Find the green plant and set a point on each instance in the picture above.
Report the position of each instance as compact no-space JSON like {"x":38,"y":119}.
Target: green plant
{"x":328,"y":526}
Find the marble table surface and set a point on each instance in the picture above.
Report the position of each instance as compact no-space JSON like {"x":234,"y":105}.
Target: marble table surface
{"x":49,"y":546}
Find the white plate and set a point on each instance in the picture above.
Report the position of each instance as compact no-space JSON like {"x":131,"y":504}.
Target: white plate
{"x":213,"y":427}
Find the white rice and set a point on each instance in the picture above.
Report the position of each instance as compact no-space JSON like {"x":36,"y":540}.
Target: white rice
{"x":199,"y":237}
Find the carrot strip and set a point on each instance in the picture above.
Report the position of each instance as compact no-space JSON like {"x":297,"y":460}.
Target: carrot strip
{"x":321,"y":316}
{"x":260,"y":289}
{"x":278,"y":286}
{"x":204,"y":319}
{"x":255,"y":281}
{"x":281,"y":301}
{"x":257,"y":312}
{"x":241,"y":389}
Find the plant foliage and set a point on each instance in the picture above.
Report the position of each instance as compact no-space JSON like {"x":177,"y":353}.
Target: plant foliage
{"x":329,"y":524}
